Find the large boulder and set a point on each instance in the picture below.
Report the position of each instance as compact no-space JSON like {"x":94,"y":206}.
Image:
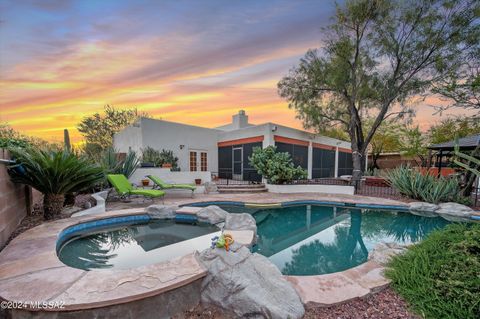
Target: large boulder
{"x":247,"y":285}
{"x":454,"y":211}
{"x":423,"y":209}
{"x":212,"y":214}
{"x":241,"y":221}
{"x":162,"y":211}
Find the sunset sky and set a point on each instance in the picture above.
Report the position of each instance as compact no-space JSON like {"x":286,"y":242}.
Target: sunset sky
{"x":195,"y":62}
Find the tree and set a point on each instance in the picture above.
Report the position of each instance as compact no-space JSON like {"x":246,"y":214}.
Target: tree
{"x":388,"y":138}
{"x":10,"y":138}
{"x":275,"y":166}
{"x":377,"y":56}
{"x":415,"y":145}
{"x":451,"y":128}
{"x":462,"y":87}
{"x":98,"y":129}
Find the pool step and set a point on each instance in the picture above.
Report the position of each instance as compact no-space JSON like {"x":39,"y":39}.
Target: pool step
{"x":253,"y":188}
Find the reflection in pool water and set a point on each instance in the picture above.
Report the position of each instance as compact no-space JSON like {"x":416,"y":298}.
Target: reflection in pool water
{"x":314,"y":240}
{"x":136,"y":245}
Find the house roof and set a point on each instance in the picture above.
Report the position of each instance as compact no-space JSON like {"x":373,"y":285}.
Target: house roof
{"x":468,"y":142}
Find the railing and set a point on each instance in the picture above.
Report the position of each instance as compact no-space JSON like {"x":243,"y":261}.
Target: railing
{"x":222,"y":180}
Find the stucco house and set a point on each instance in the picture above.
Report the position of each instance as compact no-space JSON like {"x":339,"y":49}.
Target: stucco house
{"x":224,"y":150}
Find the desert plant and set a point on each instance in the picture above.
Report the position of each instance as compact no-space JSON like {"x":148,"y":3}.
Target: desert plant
{"x":112,"y":164}
{"x":151,"y":155}
{"x":158,"y":158}
{"x":428,"y":188}
{"x":54,"y":173}
{"x":66,"y":140}
{"x":473,"y":163}
{"x":275,"y":166}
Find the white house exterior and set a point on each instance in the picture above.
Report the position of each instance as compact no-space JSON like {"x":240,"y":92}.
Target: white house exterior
{"x":224,"y":150}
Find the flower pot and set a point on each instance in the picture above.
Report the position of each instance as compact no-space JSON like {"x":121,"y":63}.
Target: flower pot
{"x":145,"y":182}
{"x":147,"y":164}
{"x":167,"y":165}
{"x":198,"y":181}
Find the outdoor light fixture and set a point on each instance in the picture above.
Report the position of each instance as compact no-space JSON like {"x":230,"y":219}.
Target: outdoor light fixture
{"x":182,"y":146}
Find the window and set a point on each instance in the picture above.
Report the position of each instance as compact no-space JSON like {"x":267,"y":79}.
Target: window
{"x":203,"y":162}
{"x":193,"y":161}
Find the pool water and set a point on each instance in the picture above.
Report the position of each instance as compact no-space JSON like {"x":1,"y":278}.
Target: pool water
{"x":136,"y":245}
{"x":315,"y":240}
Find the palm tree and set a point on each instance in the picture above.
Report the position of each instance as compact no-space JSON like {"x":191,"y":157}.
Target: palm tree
{"x":53,"y":173}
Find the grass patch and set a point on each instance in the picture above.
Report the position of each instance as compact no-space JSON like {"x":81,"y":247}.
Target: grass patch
{"x":440,"y":277}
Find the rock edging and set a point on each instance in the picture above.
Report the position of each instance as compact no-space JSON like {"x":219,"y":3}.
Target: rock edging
{"x":450,"y":211}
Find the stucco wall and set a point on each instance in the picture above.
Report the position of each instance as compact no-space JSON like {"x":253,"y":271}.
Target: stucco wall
{"x":313,"y":188}
{"x":179,"y":138}
{"x":128,"y":138}
{"x":15,"y":201}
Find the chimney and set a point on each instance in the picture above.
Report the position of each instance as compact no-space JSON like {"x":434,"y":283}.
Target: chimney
{"x":240,"y":120}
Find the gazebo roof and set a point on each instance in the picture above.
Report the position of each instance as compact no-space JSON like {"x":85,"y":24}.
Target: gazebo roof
{"x":465,"y":143}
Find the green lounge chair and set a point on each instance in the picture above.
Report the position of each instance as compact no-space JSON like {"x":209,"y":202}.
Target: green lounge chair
{"x":125,"y":189}
{"x":158,"y":182}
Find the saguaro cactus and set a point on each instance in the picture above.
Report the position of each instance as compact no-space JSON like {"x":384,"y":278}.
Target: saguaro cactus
{"x":66,"y":140}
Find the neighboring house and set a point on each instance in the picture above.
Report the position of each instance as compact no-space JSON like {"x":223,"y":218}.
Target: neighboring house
{"x":225,"y":150}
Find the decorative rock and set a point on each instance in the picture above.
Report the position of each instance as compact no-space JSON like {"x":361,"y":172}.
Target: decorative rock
{"x":211,"y":188}
{"x":242,"y":221}
{"x":455,"y":210}
{"x":212,"y":214}
{"x":162,"y":211}
{"x":423,"y":209}
{"x":383,"y":252}
{"x":248,"y":285}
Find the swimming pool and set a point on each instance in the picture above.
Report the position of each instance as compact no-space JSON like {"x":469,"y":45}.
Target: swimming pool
{"x":315,"y":240}
{"x":136,"y":244}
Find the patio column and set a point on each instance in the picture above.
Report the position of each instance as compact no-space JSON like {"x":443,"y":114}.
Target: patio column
{"x":310,"y":160}
{"x":336,"y":162}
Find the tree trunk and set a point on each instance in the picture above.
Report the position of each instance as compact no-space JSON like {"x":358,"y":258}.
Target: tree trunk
{"x":358,"y":165}
{"x":52,"y":205}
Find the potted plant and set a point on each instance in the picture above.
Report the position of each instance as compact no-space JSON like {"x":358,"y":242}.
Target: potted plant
{"x":166,"y":165}
{"x":198,"y":181}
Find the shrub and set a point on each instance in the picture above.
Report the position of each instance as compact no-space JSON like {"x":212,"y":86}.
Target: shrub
{"x":276,"y":167}
{"x":157,"y":158}
{"x":54,"y":173}
{"x":440,"y":277}
{"x":428,"y":188}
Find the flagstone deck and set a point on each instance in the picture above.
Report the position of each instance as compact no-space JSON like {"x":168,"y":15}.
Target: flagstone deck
{"x":30,"y":271}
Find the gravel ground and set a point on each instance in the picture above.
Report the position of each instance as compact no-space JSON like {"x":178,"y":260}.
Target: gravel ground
{"x":382,"y":305}
{"x":385,"y":304}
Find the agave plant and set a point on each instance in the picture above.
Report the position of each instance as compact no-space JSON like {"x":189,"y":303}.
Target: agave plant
{"x":112,"y":164}
{"x":428,"y":188}
{"x":53,"y":173}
